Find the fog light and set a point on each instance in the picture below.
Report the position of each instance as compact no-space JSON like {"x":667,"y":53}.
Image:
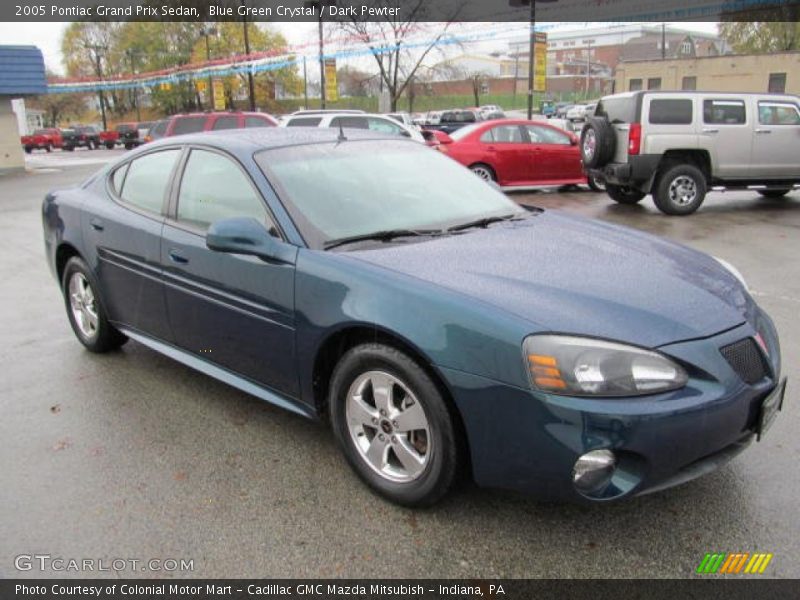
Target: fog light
{"x":593,"y":470}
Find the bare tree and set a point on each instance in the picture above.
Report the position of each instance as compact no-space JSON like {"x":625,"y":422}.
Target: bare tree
{"x":399,"y":58}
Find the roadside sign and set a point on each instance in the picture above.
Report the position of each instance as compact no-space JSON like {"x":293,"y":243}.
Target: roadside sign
{"x":331,"y":85}
{"x":540,"y":62}
{"x":219,"y":94}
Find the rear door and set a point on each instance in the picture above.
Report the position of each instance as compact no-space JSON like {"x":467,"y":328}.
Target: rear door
{"x":234,"y":310}
{"x":554,"y":158}
{"x":508,"y":152}
{"x":776,"y":139}
{"x":127,"y":235}
{"x":725,"y":132}
{"x":621,"y":111}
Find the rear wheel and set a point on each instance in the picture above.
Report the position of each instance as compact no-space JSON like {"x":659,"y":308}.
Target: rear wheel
{"x":774,"y":193}
{"x":85,"y":310}
{"x":680,"y":190}
{"x":109,"y":145}
{"x":28,"y":149}
{"x":624,"y":194}
{"x":69,"y":148}
{"x":596,"y":184}
{"x":393,"y":425}
{"x":483,"y":171}
{"x":49,"y":147}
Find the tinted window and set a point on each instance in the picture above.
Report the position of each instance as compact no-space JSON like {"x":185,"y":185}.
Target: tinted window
{"x":621,"y":109}
{"x":147,"y":180}
{"x":123,"y":127}
{"x":304,"y":122}
{"x":256,"y":122}
{"x":158,"y":130}
{"x":188,"y":125}
{"x":230,"y":122}
{"x":118,"y":177}
{"x":545,"y":135}
{"x":503,"y":134}
{"x":384,"y":126}
{"x":212,"y":188}
{"x":144,"y":125}
{"x":724,"y":112}
{"x":778,"y":113}
{"x":350,"y":122}
{"x":670,"y":111}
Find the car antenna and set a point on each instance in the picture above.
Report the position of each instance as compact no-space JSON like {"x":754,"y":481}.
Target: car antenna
{"x":341,"y":137}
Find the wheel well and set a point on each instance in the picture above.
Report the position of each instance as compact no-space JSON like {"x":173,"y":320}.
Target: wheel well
{"x":63,"y":254}
{"x":339,"y":343}
{"x":696,"y":158}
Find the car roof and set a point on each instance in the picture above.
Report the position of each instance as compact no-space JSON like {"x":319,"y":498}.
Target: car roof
{"x":265,"y":138}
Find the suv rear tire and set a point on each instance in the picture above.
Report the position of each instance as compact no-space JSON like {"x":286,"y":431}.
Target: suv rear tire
{"x":774,"y":193}
{"x":624,"y":194}
{"x":598,"y":142}
{"x":680,"y":190}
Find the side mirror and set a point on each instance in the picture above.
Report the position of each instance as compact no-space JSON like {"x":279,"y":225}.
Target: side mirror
{"x":247,"y":236}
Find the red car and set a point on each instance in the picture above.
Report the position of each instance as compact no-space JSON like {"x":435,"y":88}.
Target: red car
{"x":517,"y":153}
{"x":210,"y":121}
{"x":42,"y":139}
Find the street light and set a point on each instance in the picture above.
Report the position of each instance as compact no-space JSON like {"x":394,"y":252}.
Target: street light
{"x":319,"y":6}
{"x":532,"y":48}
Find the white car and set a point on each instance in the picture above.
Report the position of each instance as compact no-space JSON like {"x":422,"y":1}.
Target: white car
{"x":379,"y":123}
{"x":402,"y":117}
{"x":577,"y":113}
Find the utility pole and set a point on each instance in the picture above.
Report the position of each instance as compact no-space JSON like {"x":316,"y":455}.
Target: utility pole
{"x":531,"y":57}
{"x":99,"y":69}
{"x":322,"y":90}
{"x":250,"y":83}
{"x":305,"y":83}
{"x":588,"y":67}
{"x":208,"y":31}
{"x":130,"y":54}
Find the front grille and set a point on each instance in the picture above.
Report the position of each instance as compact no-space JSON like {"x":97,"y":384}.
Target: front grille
{"x":746,"y":358}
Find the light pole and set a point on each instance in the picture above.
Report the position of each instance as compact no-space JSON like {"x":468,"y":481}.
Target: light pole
{"x":532,"y":46}
{"x":319,"y":7}
{"x":250,"y":84}
{"x":99,"y":69}
{"x":209,"y":31}
{"x":131,"y":54}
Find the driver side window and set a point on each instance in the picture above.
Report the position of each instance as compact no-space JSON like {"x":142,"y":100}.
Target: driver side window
{"x":212,"y":188}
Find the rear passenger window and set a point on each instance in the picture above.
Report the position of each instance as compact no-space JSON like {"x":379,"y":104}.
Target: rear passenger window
{"x":213,"y":188}
{"x":118,"y":177}
{"x":305,"y":122}
{"x":147,"y":179}
{"x":349,"y":122}
{"x":256,"y":122}
{"x":188,"y":125}
{"x":724,"y":112}
{"x":670,"y":111}
{"x":231,"y":122}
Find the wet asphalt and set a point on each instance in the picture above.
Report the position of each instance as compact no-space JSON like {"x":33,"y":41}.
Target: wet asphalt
{"x":131,"y":455}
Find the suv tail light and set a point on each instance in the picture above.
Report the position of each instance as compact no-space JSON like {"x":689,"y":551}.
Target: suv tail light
{"x":635,"y":138}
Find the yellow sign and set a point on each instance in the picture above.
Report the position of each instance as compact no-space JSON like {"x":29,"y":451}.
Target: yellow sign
{"x":331,"y":85}
{"x":219,"y":94}
{"x":540,"y":63}
{"x":200,"y":85}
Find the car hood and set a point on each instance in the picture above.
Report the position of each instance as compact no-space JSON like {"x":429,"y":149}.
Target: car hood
{"x":571,"y":275}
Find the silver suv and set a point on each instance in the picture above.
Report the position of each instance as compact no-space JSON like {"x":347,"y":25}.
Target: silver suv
{"x":677,"y":145}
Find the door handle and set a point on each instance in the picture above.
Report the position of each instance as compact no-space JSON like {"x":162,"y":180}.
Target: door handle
{"x":710,"y":130}
{"x":96,"y":224}
{"x":491,"y":148}
{"x":176,"y":257}
{"x":763,"y":130}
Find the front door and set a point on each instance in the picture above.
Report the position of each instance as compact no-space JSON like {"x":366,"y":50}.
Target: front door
{"x":234,"y":310}
{"x":776,"y":142}
{"x":507,"y":153}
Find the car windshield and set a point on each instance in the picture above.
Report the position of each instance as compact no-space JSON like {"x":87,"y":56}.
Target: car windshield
{"x":354,"y":188}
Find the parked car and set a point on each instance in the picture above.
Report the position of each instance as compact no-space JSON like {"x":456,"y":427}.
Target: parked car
{"x":209,"y":121}
{"x":380,"y":123}
{"x":323,"y":111}
{"x":562,"y":108}
{"x":452,"y":120}
{"x":676,"y":145}
{"x":77,"y":136}
{"x":42,"y":139}
{"x":436,"y":325}
{"x":128,"y":135}
{"x":577,"y":113}
{"x":518,"y":153}
{"x":548,"y":109}
{"x":404,"y":118}
{"x":490,"y":109}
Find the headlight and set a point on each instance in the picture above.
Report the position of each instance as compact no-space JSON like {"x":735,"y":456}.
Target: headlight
{"x":574,"y":366}
{"x":732,"y":270}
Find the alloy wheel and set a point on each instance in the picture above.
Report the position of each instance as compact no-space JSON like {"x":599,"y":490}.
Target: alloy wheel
{"x":83,"y":305}
{"x":683,"y":190}
{"x":483,"y":173}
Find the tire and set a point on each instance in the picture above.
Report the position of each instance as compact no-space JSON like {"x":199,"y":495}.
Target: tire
{"x":483,"y":171}
{"x":411,"y":468}
{"x":69,"y":148}
{"x":774,"y":193}
{"x":129,"y":146}
{"x":680,"y":190}
{"x":28,"y":149}
{"x":109,"y":145}
{"x":598,"y":143}
{"x":85,"y":311}
{"x":595,"y":184}
{"x":624,"y":194}
{"x":49,"y":148}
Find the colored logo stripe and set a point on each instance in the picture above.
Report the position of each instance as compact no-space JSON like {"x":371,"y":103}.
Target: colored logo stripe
{"x":733,"y":563}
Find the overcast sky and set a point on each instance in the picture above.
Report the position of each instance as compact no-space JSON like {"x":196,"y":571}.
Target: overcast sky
{"x":47,"y":36}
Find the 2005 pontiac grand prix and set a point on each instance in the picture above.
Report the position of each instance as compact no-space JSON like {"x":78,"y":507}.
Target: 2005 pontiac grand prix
{"x":440,"y":327}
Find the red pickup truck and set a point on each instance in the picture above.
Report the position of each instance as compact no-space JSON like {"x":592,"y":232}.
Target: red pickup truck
{"x":42,"y":139}
{"x":129,"y":135}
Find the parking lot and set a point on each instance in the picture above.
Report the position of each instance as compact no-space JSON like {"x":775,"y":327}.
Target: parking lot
{"x":131,"y":455}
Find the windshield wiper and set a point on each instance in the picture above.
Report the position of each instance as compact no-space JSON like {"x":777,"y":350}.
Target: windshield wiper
{"x":485,"y":222}
{"x":383,"y":236}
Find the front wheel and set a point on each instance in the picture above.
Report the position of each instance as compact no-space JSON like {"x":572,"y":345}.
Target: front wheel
{"x":85,"y":310}
{"x":109,"y":145}
{"x":393,"y":425}
{"x":483,"y":171}
{"x":624,"y":194}
{"x":680,"y":190}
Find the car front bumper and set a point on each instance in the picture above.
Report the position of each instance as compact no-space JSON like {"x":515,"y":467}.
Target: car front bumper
{"x":529,"y":442}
